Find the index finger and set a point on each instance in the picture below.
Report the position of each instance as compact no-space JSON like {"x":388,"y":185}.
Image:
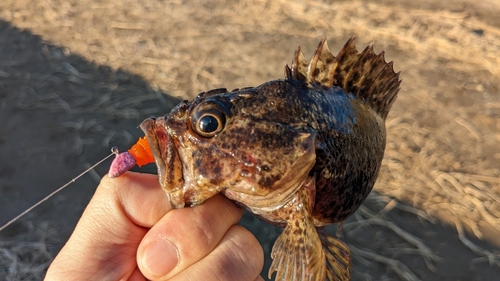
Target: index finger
{"x":140,"y":195}
{"x":104,"y":243}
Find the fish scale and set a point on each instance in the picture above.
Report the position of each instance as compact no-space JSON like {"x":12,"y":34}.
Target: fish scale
{"x":302,"y":152}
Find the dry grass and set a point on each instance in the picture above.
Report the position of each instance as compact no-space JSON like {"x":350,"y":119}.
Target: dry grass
{"x":442,"y":155}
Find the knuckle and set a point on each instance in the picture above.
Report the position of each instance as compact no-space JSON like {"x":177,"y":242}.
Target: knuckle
{"x":202,"y":230}
{"x":245,"y":255}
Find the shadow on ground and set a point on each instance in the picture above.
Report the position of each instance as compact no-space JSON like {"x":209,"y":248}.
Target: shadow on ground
{"x":59,"y":114}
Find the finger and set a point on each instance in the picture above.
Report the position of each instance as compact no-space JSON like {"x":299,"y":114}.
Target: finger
{"x":238,"y":256}
{"x":184,"y":236}
{"x":139,"y":195}
{"x":111,"y":228}
{"x":136,"y":276}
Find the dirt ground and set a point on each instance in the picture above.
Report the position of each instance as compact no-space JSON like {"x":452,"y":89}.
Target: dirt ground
{"x":77,"y":77}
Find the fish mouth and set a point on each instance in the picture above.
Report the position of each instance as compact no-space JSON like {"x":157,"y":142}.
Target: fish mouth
{"x":167,"y":159}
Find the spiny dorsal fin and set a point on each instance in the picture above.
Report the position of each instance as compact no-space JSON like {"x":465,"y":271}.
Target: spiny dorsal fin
{"x":299,"y":66}
{"x":321,"y":64}
{"x":366,"y":75}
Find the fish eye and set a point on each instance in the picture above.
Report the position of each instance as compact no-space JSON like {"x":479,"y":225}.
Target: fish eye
{"x":209,"y":122}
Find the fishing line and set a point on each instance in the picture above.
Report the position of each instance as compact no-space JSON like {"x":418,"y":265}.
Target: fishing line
{"x":114,"y":150}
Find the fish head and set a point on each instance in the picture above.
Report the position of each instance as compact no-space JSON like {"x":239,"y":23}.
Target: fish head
{"x":231,"y":142}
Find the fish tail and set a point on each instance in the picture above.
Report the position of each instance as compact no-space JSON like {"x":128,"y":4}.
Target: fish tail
{"x":365,"y":75}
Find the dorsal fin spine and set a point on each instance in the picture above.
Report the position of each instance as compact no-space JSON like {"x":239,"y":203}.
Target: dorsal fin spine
{"x":366,"y":75}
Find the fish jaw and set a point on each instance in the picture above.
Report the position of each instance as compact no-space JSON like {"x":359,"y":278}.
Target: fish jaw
{"x":167,"y":159}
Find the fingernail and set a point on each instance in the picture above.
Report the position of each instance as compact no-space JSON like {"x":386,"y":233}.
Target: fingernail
{"x":160,"y":257}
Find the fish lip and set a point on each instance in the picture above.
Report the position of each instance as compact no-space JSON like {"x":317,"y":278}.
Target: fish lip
{"x":166,"y":158}
{"x":149,"y":127}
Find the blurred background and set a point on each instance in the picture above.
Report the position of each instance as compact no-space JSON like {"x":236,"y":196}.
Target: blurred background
{"x":77,"y":77}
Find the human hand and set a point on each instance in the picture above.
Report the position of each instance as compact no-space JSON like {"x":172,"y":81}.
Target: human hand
{"x":129,"y":232}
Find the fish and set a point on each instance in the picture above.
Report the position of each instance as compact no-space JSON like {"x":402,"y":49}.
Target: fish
{"x":301,"y":152}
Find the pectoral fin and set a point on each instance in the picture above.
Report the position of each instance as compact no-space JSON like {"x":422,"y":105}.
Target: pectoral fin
{"x":297,"y":253}
{"x":302,"y":254}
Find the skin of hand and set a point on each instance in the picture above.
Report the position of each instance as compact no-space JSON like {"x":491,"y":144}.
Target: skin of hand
{"x":129,"y":232}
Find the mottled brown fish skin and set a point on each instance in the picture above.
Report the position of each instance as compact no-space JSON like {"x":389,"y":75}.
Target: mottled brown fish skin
{"x":349,"y":144}
{"x":302,"y":152}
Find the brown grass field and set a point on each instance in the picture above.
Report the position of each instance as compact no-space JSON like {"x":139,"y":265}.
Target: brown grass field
{"x":77,"y":77}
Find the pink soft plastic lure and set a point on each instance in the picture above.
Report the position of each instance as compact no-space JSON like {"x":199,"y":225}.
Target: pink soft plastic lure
{"x":139,"y":154}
